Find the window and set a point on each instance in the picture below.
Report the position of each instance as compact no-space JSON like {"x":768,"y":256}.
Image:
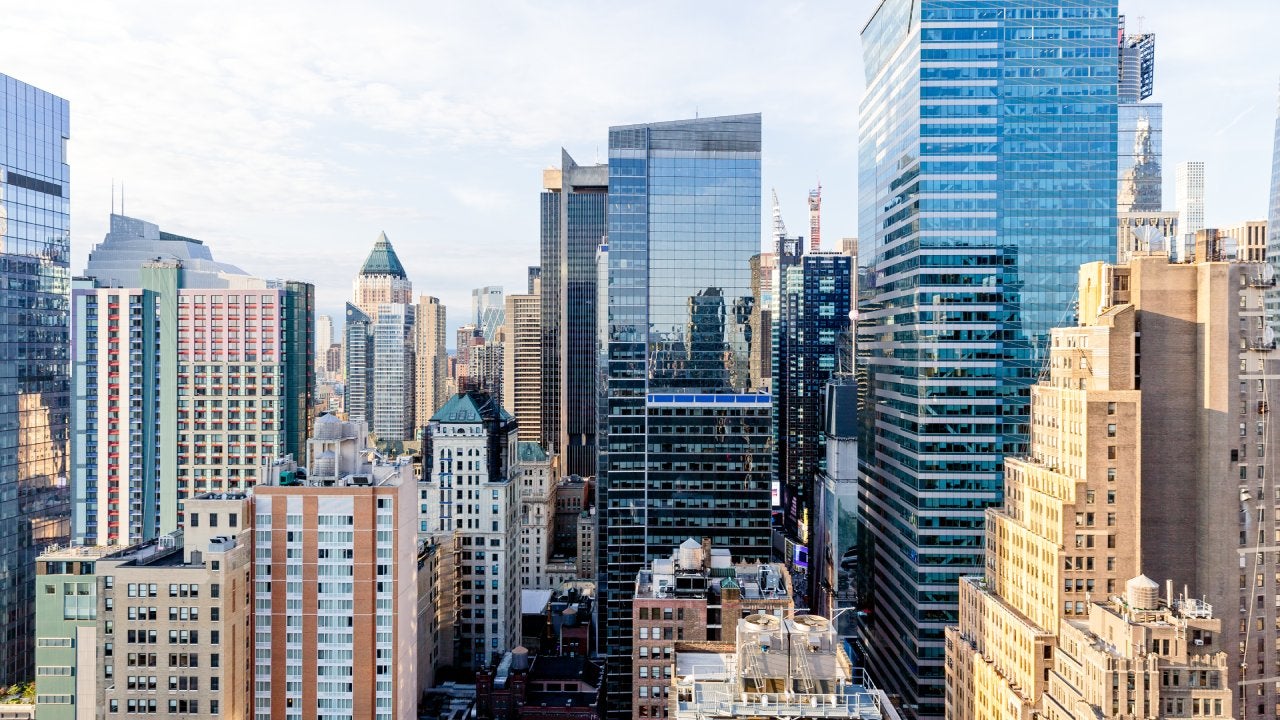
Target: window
{"x":195,"y":520}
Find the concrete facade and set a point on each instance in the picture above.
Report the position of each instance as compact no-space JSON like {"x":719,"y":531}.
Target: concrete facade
{"x":522,"y":371}
{"x":430,"y":358}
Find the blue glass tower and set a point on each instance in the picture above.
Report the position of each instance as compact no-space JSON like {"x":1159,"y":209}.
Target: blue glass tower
{"x":810,"y":334}
{"x":687,"y":440}
{"x":987,"y":176}
{"x":35,"y":249}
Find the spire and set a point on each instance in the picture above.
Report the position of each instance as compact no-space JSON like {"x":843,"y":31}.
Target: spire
{"x":382,"y":259}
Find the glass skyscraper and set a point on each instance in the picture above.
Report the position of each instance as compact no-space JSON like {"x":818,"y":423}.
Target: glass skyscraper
{"x":35,"y":248}
{"x":810,"y":336}
{"x":574,"y":209}
{"x":687,"y":433}
{"x":987,"y":177}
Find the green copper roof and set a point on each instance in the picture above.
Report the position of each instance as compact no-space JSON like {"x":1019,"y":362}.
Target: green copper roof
{"x":531,"y":452}
{"x":382,"y":259}
{"x":471,"y":407}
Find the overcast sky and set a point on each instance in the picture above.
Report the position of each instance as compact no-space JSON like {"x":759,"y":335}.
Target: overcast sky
{"x":287,"y":136}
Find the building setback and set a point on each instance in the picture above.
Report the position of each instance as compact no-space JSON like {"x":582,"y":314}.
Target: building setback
{"x":984,"y":184}
{"x":35,"y":253}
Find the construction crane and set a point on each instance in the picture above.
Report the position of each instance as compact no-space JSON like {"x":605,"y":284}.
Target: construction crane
{"x":779,"y":229}
{"x":815,"y":219}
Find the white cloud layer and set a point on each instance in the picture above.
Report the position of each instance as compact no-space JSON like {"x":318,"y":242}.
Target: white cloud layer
{"x":288,"y":134}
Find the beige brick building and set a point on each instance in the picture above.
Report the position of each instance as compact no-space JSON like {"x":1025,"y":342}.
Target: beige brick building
{"x":1136,"y":656}
{"x":173,"y":618}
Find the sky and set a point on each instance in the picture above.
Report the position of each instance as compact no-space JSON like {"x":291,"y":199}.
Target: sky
{"x":287,"y":135}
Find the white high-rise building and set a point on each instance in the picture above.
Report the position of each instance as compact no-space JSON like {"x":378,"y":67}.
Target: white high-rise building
{"x":1189,"y":200}
{"x":470,"y":500}
{"x":393,"y":391}
{"x":488,"y":310}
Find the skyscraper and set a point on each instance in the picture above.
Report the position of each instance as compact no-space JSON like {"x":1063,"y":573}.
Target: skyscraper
{"x":431,"y":358}
{"x":381,"y":280}
{"x":381,"y":285}
{"x":574,"y":212}
{"x":522,"y":371}
{"x":810,"y":334}
{"x":689,"y":436}
{"x":984,"y":183}
{"x":488,"y":311}
{"x":187,"y":380}
{"x":1189,"y":200}
{"x":35,"y":249}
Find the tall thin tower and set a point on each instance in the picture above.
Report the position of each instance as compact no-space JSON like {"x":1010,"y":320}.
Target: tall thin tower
{"x":815,"y":219}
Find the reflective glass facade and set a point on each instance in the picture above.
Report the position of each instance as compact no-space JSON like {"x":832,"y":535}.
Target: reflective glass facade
{"x":574,"y":220}
{"x":688,"y":447}
{"x":987,"y":176}
{"x":1141,"y":187}
{"x":35,"y":250}
{"x":815,"y":295}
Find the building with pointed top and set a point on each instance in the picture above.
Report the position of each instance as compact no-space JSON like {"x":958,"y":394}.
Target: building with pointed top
{"x":381,"y":280}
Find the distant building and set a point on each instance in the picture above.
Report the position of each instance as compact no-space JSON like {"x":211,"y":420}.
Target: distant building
{"x":1248,"y":240}
{"x":1189,"y":201}
{"x":431,"y":360}
{"x":358,"y":361}
{"x":574,"y":206}
{"x":379,"y":351}
{"x":542,"y":686}
{"x":393,"y":392}
{"x":588,"y":530}
{"x":470,"y":496}
{"x":522,"y":371}
{"x":485,"y":367}
{"x":381,"y":280}
{"x":353,"y":525}
{"x":1172,"y":653}
{"x":773,"y":667}
{"x":488,"y":311}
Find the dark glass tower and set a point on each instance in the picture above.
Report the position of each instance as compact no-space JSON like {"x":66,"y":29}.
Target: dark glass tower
{"x":810,"y":332}
{"x":987,"y":177}
{"x":689,"y":437}
{"x":35,"y":251}
{"x":574,"y":212}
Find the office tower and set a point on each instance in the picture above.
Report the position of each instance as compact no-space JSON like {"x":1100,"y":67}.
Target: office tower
{"x":1248,"y":240}
{"x":1141,"y":187}
{"x":488,"y":310}
{"x":1068,"y":531}
{"x":324,"y":338}
{"x":996,"y":225}
{"x":34,"y":373}
{"x":849,"y":246}
{"x":358,"y":360}
{"x":811,"y":334}
{"x":485,"y":367}
{"x":471,"y":499}
{"x":1189,"y":200}
{"x":393,"y":364}
{"x":539,"y":476}
{"x":1172,"y":650}
{"x":776,"y":668}
{"x":466,"y":338}
{"x":535,"y":280}
{"x":574,"y":213}
{"x":335,"y":586}
{"x":522,"y":371}
{"x":431,"y":358}
{"x":689,"y":434}
{"x":695,"y":593}
{"x":1273,"y":223}
{"x":1137,"y":64}
{"x":815,"y":219}
{"x":215,"y":379}
{"x":588,"y":532}
{"x":173,"y":618}
{"x":381,"y":280}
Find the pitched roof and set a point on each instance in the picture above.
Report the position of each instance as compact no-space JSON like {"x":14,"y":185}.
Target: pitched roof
{"x":382,"y":259}
{"x":531,"y":452}
{"x":470,"y":407}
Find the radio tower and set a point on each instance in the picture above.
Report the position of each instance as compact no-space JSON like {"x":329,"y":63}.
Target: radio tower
{"x":815,"y":219}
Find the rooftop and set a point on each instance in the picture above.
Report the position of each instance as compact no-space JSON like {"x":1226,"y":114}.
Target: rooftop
{"x":382,"y":259}
{"x":469,"y":408}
